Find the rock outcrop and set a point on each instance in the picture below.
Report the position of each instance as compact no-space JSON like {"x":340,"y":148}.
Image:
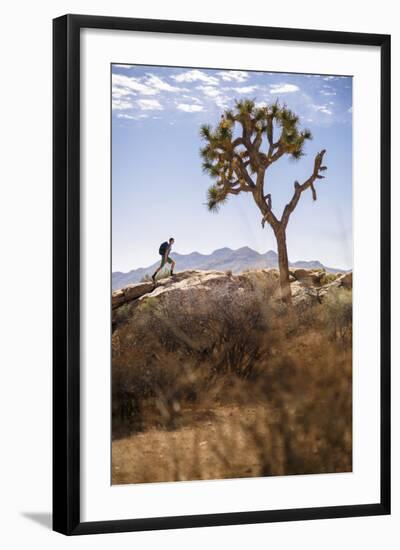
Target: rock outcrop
{"x":130,"y":292}
{"x":345,"y":280}
{"x":192,"y":306}
{"x":305,"y":284}
{"x":308,"y":276}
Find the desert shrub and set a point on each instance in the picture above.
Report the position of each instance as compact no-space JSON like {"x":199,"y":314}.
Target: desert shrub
{"x":306,"y":312}
{"x":170,"y":358}
{"x":147,"y":305}
{"x":310,"y":392}
{"x":126,"y":405}
{"x":328,"y":278}
{"x":294,"y":416}
{"x":146,"y":278}
{"x":165,"y":272}
{"x":152,"y":393}
{"x":338,"y":313}
{"x":121,"y":315}
{"x":236,"y":347}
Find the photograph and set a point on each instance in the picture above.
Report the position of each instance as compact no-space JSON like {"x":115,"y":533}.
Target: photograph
{"x":232,"y":273}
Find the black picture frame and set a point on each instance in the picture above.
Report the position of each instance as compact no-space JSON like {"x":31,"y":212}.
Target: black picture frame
{"x":66,"y":273}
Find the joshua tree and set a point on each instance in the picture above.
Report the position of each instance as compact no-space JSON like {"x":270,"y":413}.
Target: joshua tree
{"x":238,"y":153}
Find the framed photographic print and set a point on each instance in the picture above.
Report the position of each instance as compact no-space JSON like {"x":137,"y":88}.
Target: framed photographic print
{"x":221,"y":274}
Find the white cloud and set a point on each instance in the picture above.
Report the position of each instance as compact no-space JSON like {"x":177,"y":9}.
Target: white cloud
{"x":233,"y":76}
{"x":222,"y":101}
{"x":131,"y":85}
{"x":322,"y":109}
{"x":210,"y":91}
{"x":192,"y":99}
{"x":189,"y":108}
{"x":159,"y":84}
{"x":261,"y":104}
{"x":120,"y":104}
{"x":327,"y":90}
{"x":245,"y":89}
{"x":195,"y":75}
{"x":125,"y":88}
{"x":216,"y":95}
{"x":131,"y":117}
{"x":149,"y":105}
{"x":283,"y":88}
{"x":119,"y":93}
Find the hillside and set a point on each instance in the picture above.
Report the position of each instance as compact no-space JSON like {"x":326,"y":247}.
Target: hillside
{"x":222,"y":259}
{"x":212,"y":378}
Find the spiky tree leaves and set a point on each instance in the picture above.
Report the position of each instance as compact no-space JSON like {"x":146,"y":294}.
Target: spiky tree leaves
{"x":239,"y":150}
{"x":215,"y":198}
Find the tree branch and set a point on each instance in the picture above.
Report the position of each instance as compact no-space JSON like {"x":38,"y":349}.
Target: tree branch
{"x":235,"y":187}
{"x":252,"y":147}
{"x":298,"y":189}
{"x":257,"y":141}
{"x":269,"y":216}
{"x":270,"y":136}
{"x":277,"y":155}
{"x":240,"y":166}
{"x":238,"y":141}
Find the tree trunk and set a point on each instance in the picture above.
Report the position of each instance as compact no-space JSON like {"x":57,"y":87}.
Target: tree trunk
{"x":280,"y":235}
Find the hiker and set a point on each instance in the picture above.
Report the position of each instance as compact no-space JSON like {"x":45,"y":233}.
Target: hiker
{"x":165,"y":249}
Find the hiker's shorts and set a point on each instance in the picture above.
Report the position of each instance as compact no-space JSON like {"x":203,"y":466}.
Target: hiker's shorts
{"x":163,"y":260}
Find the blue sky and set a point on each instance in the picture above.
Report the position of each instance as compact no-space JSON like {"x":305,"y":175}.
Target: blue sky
{"x":159,"y":188}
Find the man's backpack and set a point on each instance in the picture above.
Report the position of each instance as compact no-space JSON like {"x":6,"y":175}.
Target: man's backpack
{"x":163,"y":248}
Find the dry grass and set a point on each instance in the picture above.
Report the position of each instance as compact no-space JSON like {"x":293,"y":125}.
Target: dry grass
{"x":254,"y":392}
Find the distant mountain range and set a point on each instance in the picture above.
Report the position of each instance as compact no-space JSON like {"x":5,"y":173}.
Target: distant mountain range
{"x":221,"y":260}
